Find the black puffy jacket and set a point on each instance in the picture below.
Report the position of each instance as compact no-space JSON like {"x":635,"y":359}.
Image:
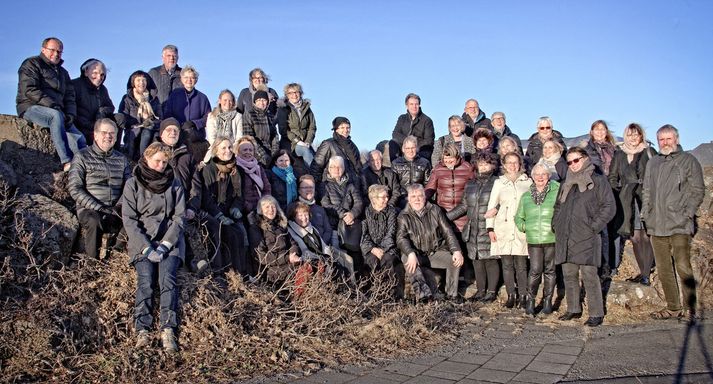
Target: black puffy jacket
{"x":93,"y":103}
{"x":341,"y":197}
{"x":425,"y":234}
{"x":329,"y":148}
{"x":416,"y":171}
{"x":45,"y":84}
{"x":387,"y":177}
{"x":378,"y":230}
{"x":474,"y":204}
{"x":96,"y":179}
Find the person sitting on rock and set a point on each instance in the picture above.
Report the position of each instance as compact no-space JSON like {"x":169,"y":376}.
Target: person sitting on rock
{"x":95,"y":182}
{"x":45,"y":96}
{"x":92,"y":97}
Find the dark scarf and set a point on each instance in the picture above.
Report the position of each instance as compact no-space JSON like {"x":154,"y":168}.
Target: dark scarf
{"x":606,"y":152}
{"x":343,"y":143}
{"x":539,"y":197}
{"x":288,"y":176}
{"x":582,"y":179}
{"x":154,"y":181}
{"x":226,"y":169}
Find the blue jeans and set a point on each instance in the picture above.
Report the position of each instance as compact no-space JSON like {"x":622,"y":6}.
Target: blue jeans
{"x":143,"y":307}
{"x":305,"y":153}
{"x":67,"y":141}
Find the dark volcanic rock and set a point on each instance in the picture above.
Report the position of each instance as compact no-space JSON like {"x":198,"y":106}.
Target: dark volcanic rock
{"x":53,"y":228}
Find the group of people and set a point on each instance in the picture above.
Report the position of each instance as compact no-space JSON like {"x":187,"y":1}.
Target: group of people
{"x":274,"y":206}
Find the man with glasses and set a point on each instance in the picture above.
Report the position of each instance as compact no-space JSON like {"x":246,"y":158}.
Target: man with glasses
{"x":474,"y":117}
{"x":96,"y":181}
{"x":167,"y":76}
{"x":45,"y":96}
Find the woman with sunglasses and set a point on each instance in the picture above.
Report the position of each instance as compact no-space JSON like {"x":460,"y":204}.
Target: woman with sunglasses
{"x":585,"y":204}
{"x":545,"y":131}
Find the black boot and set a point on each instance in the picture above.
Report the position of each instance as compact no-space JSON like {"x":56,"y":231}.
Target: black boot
{"x":512,"y":299}
{"x":530,"y":306}
{"x":546,"y":305}
{"x":523,"y":301}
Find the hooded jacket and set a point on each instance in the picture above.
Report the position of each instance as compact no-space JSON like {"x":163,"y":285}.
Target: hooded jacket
{"x":294,"y":127}
{"x":129,"y":106}
{"x":472,"y":125}
{"x":96,"y":178}
{"x":93,"y":103}
{"x":45,"y":84}
{"x":421,"y":127}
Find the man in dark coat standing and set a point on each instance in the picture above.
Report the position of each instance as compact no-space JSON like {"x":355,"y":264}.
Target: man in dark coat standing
{"x":167,"y":76}
{"x":413,"y":123}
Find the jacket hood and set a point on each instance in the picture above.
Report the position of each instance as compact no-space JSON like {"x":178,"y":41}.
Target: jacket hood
{"x":150,"y":86}
{"x":83,"y":67}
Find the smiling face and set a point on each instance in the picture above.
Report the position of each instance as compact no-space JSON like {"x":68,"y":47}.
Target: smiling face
{"x":484,"y":167}
{"x":302,"y":217}
{"x":455,"y":128}
{"x":549,"y":149}
{"x":409,"y":149}
{"x":540,"y":176}
{"x":293,"y":95}
{"x":306,"y":190}
{"x":223,"y":151}
{"x":544,"y":130}
{"x":268,"y":209}
{"x":105,"y":137}
{"x":283,"y":161}
{"x":226,"y":101}
{"x":96,"y":74}
{"x":668,"y":142}
{"x":257,"y":79}
{"x":344,"y":129}
{"x":511,"y":164}
{"x":170,"y":135}
{"x":169,"y":58}
{"x":575,"y":161}
{"x":632,"y":137}
{"x":472,"y":109}
{"x":380,"y":201}
{"x":498,"y":122}
{"x":246,"y":151}
{"x":413,"y":106}
{"x":449,"y":161}
{"x":375,"y":162}
{"x":417,"y":199}
{"x":599,"y":133}
{"x":53,"y":51}
{"x":482,"y":143}
{"x":261,"y":103}
{"x":189,"y":80}
{"x":335,"y":171}
{"x":140,"y":84}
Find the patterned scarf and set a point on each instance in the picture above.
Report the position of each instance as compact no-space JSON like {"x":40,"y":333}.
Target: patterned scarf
{"x":606,"y":151}
{"x":288,"y":176}
{"x":539,"y":197}
{"x":145,"y":111}
{"x":226,"y":169}
{"x":223,"y":122}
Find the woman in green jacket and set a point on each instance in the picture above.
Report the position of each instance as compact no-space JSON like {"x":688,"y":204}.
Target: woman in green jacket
{"x":534,"y":217}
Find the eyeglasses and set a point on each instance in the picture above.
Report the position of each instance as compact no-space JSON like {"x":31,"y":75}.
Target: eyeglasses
{"x":57,"y":51}
{"x":574,"y":161}
{"x":258,"y":78}
{"x":545,"y":128}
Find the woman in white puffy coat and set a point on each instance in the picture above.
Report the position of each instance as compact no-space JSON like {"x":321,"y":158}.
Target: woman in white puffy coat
{"x":505,"y":239}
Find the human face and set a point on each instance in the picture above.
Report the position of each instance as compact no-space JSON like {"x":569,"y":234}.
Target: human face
{"x":261,"y":104}
{"x":226,"y":102}
{"x":449,"y":161}
{"x":409,"y":150}
{"x":507,"y":146}
{"x":376,"y":162}
{"x":632,"y":137}
{"x":549,"y":149}
{"x":455,"y":128}
{"x":189,"y":81}
{"x":307,"y":190}
{"x":335,"y":171}
{"x":484,"y":167}
{"x":169,"y":58}
{"x":472,"y":108}
{"x":256,"y":79}
{"x":302,"y":218}
{"x":140,"y":84}
{"x":95,"y":74}
{"x":575,"y":161}
{"x":380,"y":201}
{"x":498,"y":122}
{"x":482,"y":143}
{"x":246,"y":151}
{"x":540,"y":177}
{"x":668,"y":142}
{"x":293,"y":95}
{"x":268,"y":209}
{"x":283,"y":161}
{"x":170,"y":135}
{"x":223,"y":151}
{"x":344,"y":129}
{"x":105,"y":137}
{"x":599,"y":133}
{"x":157,"y":161}
{"x":417,"y":200}
{"x":53,"y":51}
{"x":544,"y":130}
{"x":413,"y":106}
{"x":511,"y":164}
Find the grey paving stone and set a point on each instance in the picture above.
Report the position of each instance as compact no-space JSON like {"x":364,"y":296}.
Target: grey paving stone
{"x":545,"y":367}
{"x":471,"y":357}
{"x":509,"y":362}
{"x":405,"y":368}
{"x":536,"y":377}
{"x":445,"y":375}
{"x":492,"y":375}
{"x":373,"y":379}
{"x":391,"y":376}
{"x":455,"y":367}
{"x":429,"y":380}
{"x":523,"y":350}
{"x":570,"y":343}
{"x":429,"y":360}
{"x":330,"y":377}
{"x":471,"y":381}
{"x":562,"y":349}
{"x":558,"y":358}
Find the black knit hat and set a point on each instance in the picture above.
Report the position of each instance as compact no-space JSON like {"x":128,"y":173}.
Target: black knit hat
{"x":260,"y":95}
{"x":165,"y":123}
{"x":339,"y":120}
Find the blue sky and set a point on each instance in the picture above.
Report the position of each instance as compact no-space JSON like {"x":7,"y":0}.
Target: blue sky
{"x":622,"y":61}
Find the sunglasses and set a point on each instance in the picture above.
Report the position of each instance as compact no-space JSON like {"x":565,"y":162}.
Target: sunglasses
{"x":545,"y":128}
{"x":574,"y":161}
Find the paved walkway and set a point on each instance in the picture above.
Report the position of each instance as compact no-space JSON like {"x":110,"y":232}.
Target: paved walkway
{"x":511,"y":348}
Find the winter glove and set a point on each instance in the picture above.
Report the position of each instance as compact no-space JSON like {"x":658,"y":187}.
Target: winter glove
{"x":225,"y":220}
{"x":235,"y":213}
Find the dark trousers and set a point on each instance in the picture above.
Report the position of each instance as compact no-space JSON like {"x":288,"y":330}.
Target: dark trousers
{"x":487,"y":274}
{"x":643,"y":252}
{"x":94,"y":226}
{"x":515,"y":267}
{"x":393,"y":271}
{"x":673,"y":256}
{"x":592,"y":285}
{"x":423,"y":280}
{"x":542,"y":264}
{"x":143,"y":306}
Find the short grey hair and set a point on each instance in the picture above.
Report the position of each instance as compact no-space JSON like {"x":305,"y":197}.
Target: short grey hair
{"x":497,"y":114}
{"x":410,"y":139}
{"x":539,"y":166}
{"x":336,"y":160}
{"x":189,"y":69}
{"x":545,"y":119}
{"x":170,"y":47}
{"x":414,"y":187}
{"x":376,"y":189}
{"x":372,"y":152}
{"x":667,"y":128}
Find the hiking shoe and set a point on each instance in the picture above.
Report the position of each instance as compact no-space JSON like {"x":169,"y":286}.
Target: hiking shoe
{"x":168,"y":340}
{"x":143,"y":339}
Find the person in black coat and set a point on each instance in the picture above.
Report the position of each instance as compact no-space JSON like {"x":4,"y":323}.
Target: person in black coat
{"x":341,"y":145}
{"x":139,"y":114}
{"x":413,"y":123}
{"x":283,"y":179}
{"x":374,"y":173}
{"x":378,"y":239}
{"x":93,"y":101}
{"x":584,"y":206}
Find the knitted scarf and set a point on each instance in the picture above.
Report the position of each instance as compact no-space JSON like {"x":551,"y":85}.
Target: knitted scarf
{"x":606,"y":152}
{"x":288,"y":176}
{"x":308,"y":202}
{"x":154,"y":181}
{"x":343,"y":143}
{"x":582,"y":179}
{"x":539,"y":197}
{"x":298,"y":108}
{"x":145,"y":111}
{"x":223,"y":122}
{"x":631,"y":151}
{"x":226,"y":169}
{"x":254,"y":171}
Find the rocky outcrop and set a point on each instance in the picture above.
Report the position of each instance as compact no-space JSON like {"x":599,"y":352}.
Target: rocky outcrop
{"x":45,"y":227}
